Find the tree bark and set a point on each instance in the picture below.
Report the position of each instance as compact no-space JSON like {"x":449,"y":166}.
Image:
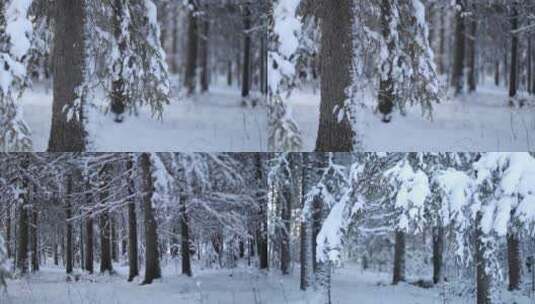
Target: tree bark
{"x":89,"y":235}
{"x":8,"y":232}
{"x":190,"y":80}
{"x":482,"y":277}
{"x":472,"y":79}
{"x":68,"y":135}
{"x":513,"y":85}
{"x":514,"y":261}
{"x":185,"y":240}
{"x":68,"y":227}
{"x":133,"y":269}
{"x":262,"y":229}
{"x":457,"y":77}
{"x":35,"y":240}
{"x":152,"y":261}
{"x":22,"y":250}
{"x":335,"y":134}
{"x":303,"y":257}
{"x":438,"y":250}
{"x":205,"y":81}
{"x":114,"y":241}
{"x":497,"y":73}
{"x":118,"y":93}
{"x":399,"y":258}
{"x":530,"y":66}
{"x":174,"y":63}
{"x":386,"y":84}
{"x":246,"y":81}
{"x":285,"y":237}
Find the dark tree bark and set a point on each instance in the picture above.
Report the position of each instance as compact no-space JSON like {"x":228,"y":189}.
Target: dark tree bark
{"x":118,"y":94}
{"x":386,"y":85}
{"x":457,"y":77}
{"x":205,"y":81}
{"x":152,"y":261}
{"x":35,"y":240}
{"x":262,"y":229}
{"x":133,"y":269}
{"x":482,"y":277}
{"x":246,"y":81}
{"x":229,"y":73}
{"x":514,"y":261}
{"x":336,"y":64}
{"x":174,"y":48}
{"x":399,"y":258}
{"x":114,"y":241}
{"x":303,"y":257}
{"x":442,"y":43}
{"x":472,"y":70}
{"x":190,"y":80}
{"x":23,"y":242}
{"x":8,"y":232}
{"x":530,"y":66}
{"x":438,"y":250}
{"x":263,"y":65}
{"x":89,"y":236}
{"x":513,"y":85}
{"x":105,"y":244}
{"x":185,"y":239}
{"x":497,"y":73}
{"x":69,"y":52}
{"x":68,"y":228}
{"x":285,"y":233}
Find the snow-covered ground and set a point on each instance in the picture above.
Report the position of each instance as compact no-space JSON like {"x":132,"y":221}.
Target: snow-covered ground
{"x":476,"y":122}
{"x":211,"y":122}
{"x":239,"y":286}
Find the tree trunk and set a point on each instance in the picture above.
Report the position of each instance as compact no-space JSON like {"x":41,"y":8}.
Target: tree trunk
{"x":335,"y":133}
{"x":66,"y":134}
{"x":457,"y":77}
{"x":246,"y":73}
{"x":263,"y":65}
{"x":185,"y":241}
{"x":229,"y":73}
{"x":204,"y":57}
{"x":114,"y":241}
{"x":442,"y":45}
{"x":514,"y":56}
{"x":89,"y":235}
{"x":152,"y":261}
{"x":35,"y":240}
{"x":472,"y":79}
{"x":262,"y":229}
{"x":438,"y":250}
{"x":22,"y":250}
{"x":118,"y":94}
{"x":285,"y":237}
{"x":133,"y":270}
{"x":8,"y":232}
{"x":399,"y":258}
{"x":105,"y":245}
{"x":386,"y":84}
{"x":530,"y":66}
{"x":303,"y":257}
{"x":68,"y":228}
{"x":174,"y":61}
{"x":482,"y":277}
{"x":514,"y":261}
{"x":190,"y":80}
{"x":497,"y":73}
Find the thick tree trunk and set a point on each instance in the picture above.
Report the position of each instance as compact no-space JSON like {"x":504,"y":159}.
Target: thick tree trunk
{"x":335,"y":132}
{"x":386,"y":84}
{"x":482,"y":277}
{"x":89,"y":236}
{"x":185,"y":240}
{"x":303,"y":257}
{"x":205,"y":81}
{"x":438,"y":250}
{"x":152,"y":261}
{"x":399,"y":258}
{"x":190,"y":80}
{"x":133,"y":269}
{"x":69,"y":59}
{"x":457,"y":77}
{"x":514,"y":261}
{"x":174,"y":48}
{"x":35,"y":240}
{"x":442,"y":43}
{"x":246,"y":80}
{"x":472,"y":79}
{"x":513,"y":85}
{"x":22,"y":250}
{"x":68,"y":228}
{"x":316,"y":227}
{"x":105,"y":245}
{"x":262,"y":229}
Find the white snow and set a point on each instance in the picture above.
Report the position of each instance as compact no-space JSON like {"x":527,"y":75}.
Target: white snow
{"x":210,"y":122}
{"x":477,"y":122}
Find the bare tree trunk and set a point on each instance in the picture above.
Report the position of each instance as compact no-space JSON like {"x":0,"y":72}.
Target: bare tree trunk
{"x":89,"y":235}
{"x":263,"y":65}
{"x":335,"y":132}
{"x":457,"y":77}
{"x":497,"y":73}
{"x":68,"y":228}
{"x":185,"y":240}
{"x":174,"y":63}
{"x":22,"y":250}
{"x":262,"y":229}
{"x":246,"y":81}
{"x":530,"y":66}
{"x":399,"y":258}
{"x":114,"y":241}
{"x":303,"y":257}
{"x":285,"y":237}
{"x":152,"y":261}
{"x":472,"y":79}
{"x":69,"y":59}
{"x":205,"y":81}
{"x":133,"y":269}
{"x":386,"y":84}
{"x":35,"y":240}
{"x":513,"y":85}
{"x":438,"y":250}
{"x":514,"y":261}
{"x":193,"y":41}
{"x":8,"y":232}
{"x":482,"y":277}
{"x":118,"y":94}
{"x":442,"y":45}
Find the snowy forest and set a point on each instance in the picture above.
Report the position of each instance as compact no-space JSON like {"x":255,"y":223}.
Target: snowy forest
{"x":316,"y":228}
{"x":359,"y":75}
{"x":87,"y":75}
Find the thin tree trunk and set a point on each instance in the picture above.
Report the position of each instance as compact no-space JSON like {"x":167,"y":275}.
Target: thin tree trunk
{"x":514,"y":261}
{"x":482,"y":277}
{"x":89,"y":235}
{"x":152,"y":261}
{"x":114,"y":241}
{"x":513,"y":85}
{"x":174,"y":61}
{"x":472,"y":80}
{"x":192,"y":49}
{"x":246,"y":81}
{"x":335,"y":133}
{"x":438,"y":250}
{"x":185,"y":240}
{"x":303,"y":257}
{"x":67,"y":132}
{"x":263,"y":65}
{"x":8,"y":232}
{"x":386,"y":84}
{"x":262,"y":229}
{"x":399,"y":258}
{"x":35,"y":240}
{"x":133,"y":269}
{"x":497,"y":73}
{"x":118,"y":94}
{"x":204,"y":57}
{"x":442,"y":45}
{"x":530,"y":66}
{"x":22,"y":250}
{"x":457,"y":77}
{"x":285,"y":237}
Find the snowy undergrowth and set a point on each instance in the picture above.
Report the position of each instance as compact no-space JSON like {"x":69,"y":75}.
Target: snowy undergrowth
{"x":477,"y":122}
{"x":215,"y":121}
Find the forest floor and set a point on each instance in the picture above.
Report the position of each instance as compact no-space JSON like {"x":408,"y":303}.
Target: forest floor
{"x":476,"y":122}
{"x":242,"y":285}
{"x":210,"y":122}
